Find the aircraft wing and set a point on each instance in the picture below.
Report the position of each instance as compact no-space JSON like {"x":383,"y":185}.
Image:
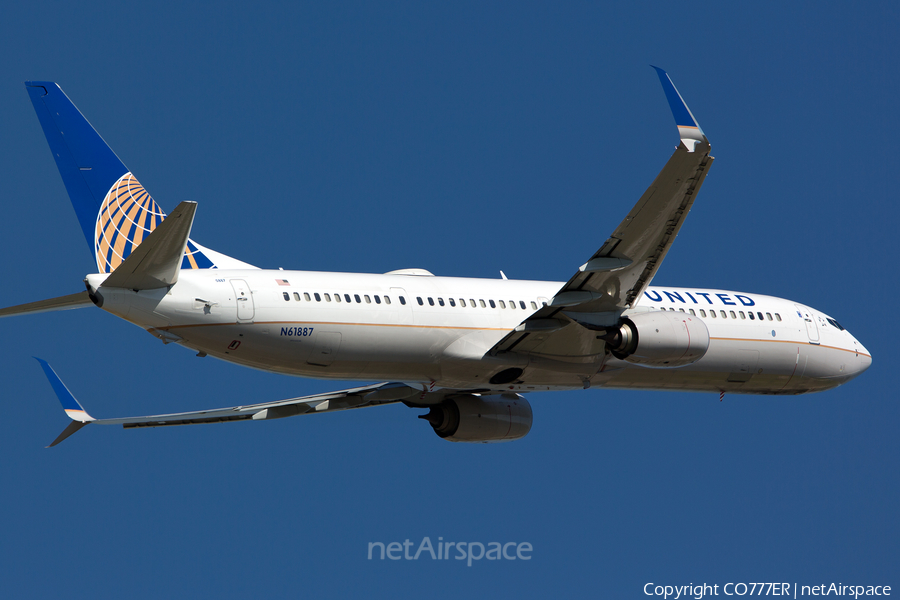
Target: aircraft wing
{"x":370,"y":395}
{"x":616,"y":275}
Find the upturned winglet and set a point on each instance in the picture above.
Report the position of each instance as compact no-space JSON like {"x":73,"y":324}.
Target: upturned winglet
{"x":688,"y":128}
{"x":79,"y":416}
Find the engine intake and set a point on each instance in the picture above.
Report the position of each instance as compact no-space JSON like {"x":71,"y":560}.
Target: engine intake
{"x":660,"y":339}
{"x":497,"y":418}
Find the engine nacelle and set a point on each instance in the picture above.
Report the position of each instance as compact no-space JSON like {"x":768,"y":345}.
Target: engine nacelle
{"x":660,"y":339}
{"x":497,"y":418}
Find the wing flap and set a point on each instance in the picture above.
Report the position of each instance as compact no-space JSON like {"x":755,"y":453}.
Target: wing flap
{"x":570,"y":343}
{"x":643,"y":238}
{"x":329,"y":402}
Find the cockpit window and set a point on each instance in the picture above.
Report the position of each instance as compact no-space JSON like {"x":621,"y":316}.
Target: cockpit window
{"x":835,"y":323}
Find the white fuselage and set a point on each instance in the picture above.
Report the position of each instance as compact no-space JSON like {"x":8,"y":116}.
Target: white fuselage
{"x":436,"y":331}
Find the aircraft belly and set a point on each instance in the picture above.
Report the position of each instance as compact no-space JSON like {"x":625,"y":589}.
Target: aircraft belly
{"x":332,"y":351}
{"x":738,"y":366}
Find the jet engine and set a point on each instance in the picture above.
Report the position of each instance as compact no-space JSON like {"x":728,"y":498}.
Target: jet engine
{"x":470,"y":418}
{"x":660,"y":339}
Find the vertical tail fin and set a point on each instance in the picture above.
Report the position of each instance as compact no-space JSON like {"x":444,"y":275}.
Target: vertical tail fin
{"x":115,"y":211}
{"x":89,"y":168}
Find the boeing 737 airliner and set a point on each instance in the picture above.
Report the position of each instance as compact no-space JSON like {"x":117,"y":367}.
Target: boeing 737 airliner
{"x":466,"y":349}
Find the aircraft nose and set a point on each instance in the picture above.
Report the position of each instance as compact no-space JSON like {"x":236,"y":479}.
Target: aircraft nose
{"x":863,"y":359}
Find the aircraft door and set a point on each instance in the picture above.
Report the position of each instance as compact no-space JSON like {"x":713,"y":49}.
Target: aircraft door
{"x":244,"y":299}
{"x":812,"y":329}
{"x":402,"y":309}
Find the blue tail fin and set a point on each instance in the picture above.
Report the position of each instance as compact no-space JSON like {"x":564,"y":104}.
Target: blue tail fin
{"x":115,"y":212}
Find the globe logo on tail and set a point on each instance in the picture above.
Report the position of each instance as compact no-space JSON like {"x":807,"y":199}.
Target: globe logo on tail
{"x":127,"y":216}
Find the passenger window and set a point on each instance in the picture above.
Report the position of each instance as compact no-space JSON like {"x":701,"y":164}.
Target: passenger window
{"x":387,"y":299}
{"x":750,"y":312}
{"x":452,"y":301}
{"x":482,"y":303}
{"x":702,"y":313}
{"x":368,"y":300}
{"x":286,"y":296}
{"x":403,"y":301}
{"x":681,"y":309}
{"x":691,"y":310}
{"x":419,"y":300}
{"x":441,"y":301}
{"x":491,"y":302}
{"x":317,"y":296}
{"x":777,"y":317}
{"x":347,"y":297}
{"x":377,"y":299}
{"x":740,"y":312}
{"x":533,"y":305}
{"x":769,"y":316}
{"x":356,"y":297}
{"x":430,"y":301}
{"x":337,"y":297}
{"x":462,"y":302}
{"x":327,"y":297}
{"x":472,"y":302}
{"x":512,"y":303}
{"x":733,"y":316}
{"x":502,"y":304}
{"x":544,"y":303}
{"x":522,"y":304}
{"x":759,"y":314}
{"x":297,"y":296}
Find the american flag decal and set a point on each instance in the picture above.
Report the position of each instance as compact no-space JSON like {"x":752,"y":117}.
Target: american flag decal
{"x":282,"y":282}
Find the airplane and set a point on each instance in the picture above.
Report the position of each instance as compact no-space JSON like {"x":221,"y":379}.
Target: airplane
{"x":465,"y":349}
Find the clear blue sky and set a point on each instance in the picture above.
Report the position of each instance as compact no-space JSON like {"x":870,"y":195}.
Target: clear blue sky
{"x":463,"y":139}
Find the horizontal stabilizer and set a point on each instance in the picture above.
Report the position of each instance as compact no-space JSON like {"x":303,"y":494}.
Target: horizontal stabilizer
{"x":156,"y":262}
{"x":79,"y":300}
